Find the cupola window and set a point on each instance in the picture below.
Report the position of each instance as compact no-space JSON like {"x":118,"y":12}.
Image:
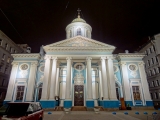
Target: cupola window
{"x":79,"y":31}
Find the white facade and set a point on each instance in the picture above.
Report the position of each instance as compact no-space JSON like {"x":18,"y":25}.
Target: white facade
{"x":81,"y":72}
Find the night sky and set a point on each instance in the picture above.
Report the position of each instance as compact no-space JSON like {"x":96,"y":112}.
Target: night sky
{"x":125,"y":24}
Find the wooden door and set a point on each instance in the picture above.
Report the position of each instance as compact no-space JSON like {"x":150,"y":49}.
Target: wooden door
{"x":78,"y":95}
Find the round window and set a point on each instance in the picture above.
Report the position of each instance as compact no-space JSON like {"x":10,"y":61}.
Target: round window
{"x":132,"y":67}
{"x":41,"y":69}
{"x":79,"y":66}
{"x":24,"y":66}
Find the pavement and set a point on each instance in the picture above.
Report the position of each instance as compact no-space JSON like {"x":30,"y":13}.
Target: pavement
{"x":103,"y":115}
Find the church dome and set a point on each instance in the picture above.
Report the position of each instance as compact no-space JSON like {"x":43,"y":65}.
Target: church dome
{"x":78,"y":20}
{"x":78,"y":27}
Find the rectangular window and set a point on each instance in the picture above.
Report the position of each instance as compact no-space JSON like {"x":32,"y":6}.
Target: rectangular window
{"x":10,"y":50}
{"x":1,"y":42}
{"x":20,"y":92}
{"x":153,"y":85}
{"x":3,"y":57}
{"x":5,"y":70}
{"x":3,"y":82}
{"x":146,"y":52}
{"x":6,"y":45}
{"x":150,"y":49}
{"x":152,"y":60}
{"x":151,"y":95}
{"x":136,"y":92}
{"x":157,"y":82}
{"x":156,"y":59}
{"x":148,"y":63}
{"x":156,"y":95}
{"x":154,"y":48}
{"x":8,"y":60}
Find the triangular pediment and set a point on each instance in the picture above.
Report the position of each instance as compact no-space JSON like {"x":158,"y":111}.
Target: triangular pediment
{"x":79,"y":42}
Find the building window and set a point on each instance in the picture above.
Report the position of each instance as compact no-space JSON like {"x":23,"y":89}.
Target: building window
{"x":0,"y":41}
{"x":148,"y":84}
{"x":153,"y":85}
{"x":10,"y":50}
{"x":148,"y":63}
{"x":157,"y":70}
{"x":6,"y":45}
{"x":70,"y":33}
{"x":136,"y":92}
{"x":8,"y":60}
{"x":40,"y":91}
{"x":152,"y":60}
{"x":156,"y":95}
{"x":157,"y":82}
{"x":154,"y":71}
{"x":5,"y":70}
{"x":79,"y":31}
{"x":150,"y":72}
{"x":3,"y":57}
{"x":20,"y":92}
{"x":146,"y":52}
{"x":154,"y":48}
{"x":150,"y":49}
{"x":156,"y":59}
{"x":151,"y":95}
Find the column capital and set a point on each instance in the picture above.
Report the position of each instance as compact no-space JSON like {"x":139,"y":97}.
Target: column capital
{"x":34,"y":63}
{"x":141,"y":63}
{"x":68,"y":58}
{"x":122,"y":63}
{"x":109,"y":57}
{"x":54,"y":58}
{"x":14,"y":63}
{"x":47,"y":57}
{"x":88,"y":58}
{"x":102,"y":57}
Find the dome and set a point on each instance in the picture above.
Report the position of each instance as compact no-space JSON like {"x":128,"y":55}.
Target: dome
{"x":78,"y":20}
{"x":78,"y":27}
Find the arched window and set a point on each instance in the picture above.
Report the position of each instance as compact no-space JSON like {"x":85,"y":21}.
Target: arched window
{"x":79,"y":31}
{"x":70,"y":34}
{"x":40,"y":91}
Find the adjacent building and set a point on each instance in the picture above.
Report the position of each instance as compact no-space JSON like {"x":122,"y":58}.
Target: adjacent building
{"x":7,"y":47}
{"x":80,"y":71}
{"x":152,"y":67}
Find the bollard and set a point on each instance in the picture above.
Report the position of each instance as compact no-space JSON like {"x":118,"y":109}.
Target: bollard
{"x":49,"y":112}
{"x":137,"y":113}
{"x":126,"y":113}
{"x":114,"y":113}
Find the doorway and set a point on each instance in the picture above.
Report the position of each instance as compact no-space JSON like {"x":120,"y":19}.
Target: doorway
{"x":78,"y":95}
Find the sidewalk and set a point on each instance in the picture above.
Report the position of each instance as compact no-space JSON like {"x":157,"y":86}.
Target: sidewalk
{"x":103,"y":115}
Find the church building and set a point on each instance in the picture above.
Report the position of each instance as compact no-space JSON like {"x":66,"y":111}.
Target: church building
{"x":79,"y":71}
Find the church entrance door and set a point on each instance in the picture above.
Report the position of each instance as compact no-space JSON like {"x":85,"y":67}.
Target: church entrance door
{"x":78,"y":95}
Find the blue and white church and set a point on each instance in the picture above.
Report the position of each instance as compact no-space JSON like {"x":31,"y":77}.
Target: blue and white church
{"x":79,"y":71}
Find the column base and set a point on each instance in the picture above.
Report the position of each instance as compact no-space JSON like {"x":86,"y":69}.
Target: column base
{"x":48,"y":103}
{"x":109,"y":104}
{"x":90,"y":103}
{"x":67,"y":103}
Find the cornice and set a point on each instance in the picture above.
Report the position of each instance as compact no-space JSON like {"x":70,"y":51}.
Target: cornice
{"x":131,"y":55}
{"x":26,"y":56}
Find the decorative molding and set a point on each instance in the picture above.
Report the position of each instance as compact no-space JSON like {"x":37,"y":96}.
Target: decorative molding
{"x":14,"y":64}
{"x":133,"y":69}
{"x":26,"y":56}
{"x":115,"y":68}
{"x":41,"y":68}
{"x":69,"y":58}
{"x":102,"y":57}
{"x":88,"y":58}
{"x":141,"y":63}
{"x":80,"y":64}
{"x":34,"y":63}
{"x":122,"y":63}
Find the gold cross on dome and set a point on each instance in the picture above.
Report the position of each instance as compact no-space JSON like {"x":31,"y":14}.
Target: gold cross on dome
{"x":78,"y":12}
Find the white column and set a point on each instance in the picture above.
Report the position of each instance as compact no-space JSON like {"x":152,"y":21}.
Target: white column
{"x":47,"y":70}
{"x":101,"y":85}
{"x":57,"y":83}
{"x":125,"y":82}
{"x":53,"y":79}
{"x":111,"y":81}
{"x":12,"y":81}
{"x":89,"y":79}
{"x":68,"y":79}
{"x":104,"y":78}
{"x":31,"y":82}
{"x":146,"y":92}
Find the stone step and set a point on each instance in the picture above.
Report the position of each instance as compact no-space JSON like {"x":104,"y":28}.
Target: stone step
{"x":59,"y":108}
{"x":78,"y":108}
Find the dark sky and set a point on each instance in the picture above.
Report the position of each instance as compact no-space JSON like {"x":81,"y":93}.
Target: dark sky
{"x":125,"y":24}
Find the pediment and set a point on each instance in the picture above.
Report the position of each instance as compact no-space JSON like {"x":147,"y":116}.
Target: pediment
{"x":79,"y":41}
